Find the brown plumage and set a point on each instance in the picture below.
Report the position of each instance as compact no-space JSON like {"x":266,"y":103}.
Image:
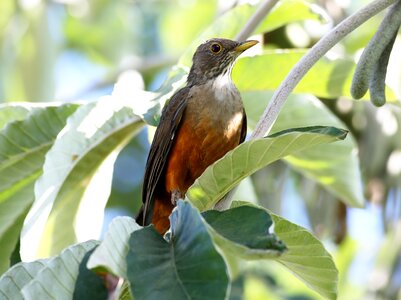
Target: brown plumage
{"x":201,"y":122}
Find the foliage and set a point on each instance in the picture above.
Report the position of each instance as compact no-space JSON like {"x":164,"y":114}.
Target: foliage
{"x":56,"y":160}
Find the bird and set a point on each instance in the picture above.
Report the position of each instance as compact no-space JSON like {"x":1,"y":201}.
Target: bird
{"x":200,"y":123}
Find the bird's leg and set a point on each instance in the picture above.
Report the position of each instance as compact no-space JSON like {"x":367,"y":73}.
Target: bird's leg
{"x":175,"y":195}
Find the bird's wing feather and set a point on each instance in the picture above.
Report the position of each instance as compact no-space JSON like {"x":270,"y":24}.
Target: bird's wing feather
{"x":162,"y":142}
{"x":244,"y":127}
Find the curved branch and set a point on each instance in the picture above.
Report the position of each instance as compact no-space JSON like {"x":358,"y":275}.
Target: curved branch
{"x":310,"y":58}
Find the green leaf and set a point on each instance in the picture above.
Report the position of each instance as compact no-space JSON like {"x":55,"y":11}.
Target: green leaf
{"x":111,"y":253}
{"x":290,"y":11}
{"x":88,"y":284}
{"x":57,"y":278}
{"x":23,"y":145}
{"x":10,"y":113}
{"x":244,"y":231}
{"x":334,"y":166}
{"x":19,"y":275}
{"x":76,"y":180}
{"x":328,"y":78}
{"x":307,"y":258}
{"x":185,"y":266}
{"x":247,"y":158}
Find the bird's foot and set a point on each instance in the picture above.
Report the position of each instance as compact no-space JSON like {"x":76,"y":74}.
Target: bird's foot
{"x":175,"y":196}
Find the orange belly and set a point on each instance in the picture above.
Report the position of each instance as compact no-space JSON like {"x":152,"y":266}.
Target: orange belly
{"x":195,"y":148}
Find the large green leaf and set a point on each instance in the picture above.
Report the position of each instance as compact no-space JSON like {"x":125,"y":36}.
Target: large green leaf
{"x":23,"y":145}
{"x":335,"y":166}
{"x":328,"y":78}
{"x":289,"y":11}
{"x":185,"y":266}
{"x":19,"y":275}
{"x":76,"y":180}
{"x":10,"y":113}
{"x":247,"y":158}
{"x":245,"y":232}
{"x":111,"y":253}
{"x":52,"y":278}
{"x":57,"y":278}
{"x":306,"y":256}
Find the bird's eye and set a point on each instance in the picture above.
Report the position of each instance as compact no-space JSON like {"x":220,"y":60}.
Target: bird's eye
{"x":216,"y":48}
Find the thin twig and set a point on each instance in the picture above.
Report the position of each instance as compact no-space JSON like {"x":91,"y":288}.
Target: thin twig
{"x":261,"y":12}
{"x":310,"y":58}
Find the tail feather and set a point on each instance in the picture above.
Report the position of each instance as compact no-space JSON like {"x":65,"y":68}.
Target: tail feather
{"x":160,"y":215}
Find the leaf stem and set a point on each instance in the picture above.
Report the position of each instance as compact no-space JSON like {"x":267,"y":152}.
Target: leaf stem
{"x":310,"y":58}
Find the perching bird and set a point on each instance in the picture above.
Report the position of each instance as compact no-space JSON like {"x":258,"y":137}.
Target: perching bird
{"x":201,"y":122}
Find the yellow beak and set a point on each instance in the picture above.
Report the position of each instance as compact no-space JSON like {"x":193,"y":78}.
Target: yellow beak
{"x":245,"y":45}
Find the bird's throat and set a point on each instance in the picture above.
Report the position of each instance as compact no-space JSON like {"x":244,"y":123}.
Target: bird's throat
{"x":223,"y":87}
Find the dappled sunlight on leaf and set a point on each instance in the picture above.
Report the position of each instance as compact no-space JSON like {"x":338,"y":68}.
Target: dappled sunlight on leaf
{"x":307,"y":164}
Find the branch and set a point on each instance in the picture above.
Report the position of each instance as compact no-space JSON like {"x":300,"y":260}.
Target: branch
{"x":261,"y":12}
{"x":309,"y":59}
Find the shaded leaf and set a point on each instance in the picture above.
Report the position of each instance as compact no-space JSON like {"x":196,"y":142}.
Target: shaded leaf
{"x":334,"y":166}
{"x":185,"y":266}
{"x":88,"y":284}
{"x":23,"y":145}
{"x":251,"y":156}
{"x":111,"y":254}
{"x":245,"y":232}
{"x":77,"y":176}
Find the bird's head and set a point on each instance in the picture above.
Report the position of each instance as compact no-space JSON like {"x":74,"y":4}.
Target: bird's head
{"x":215,"y":57}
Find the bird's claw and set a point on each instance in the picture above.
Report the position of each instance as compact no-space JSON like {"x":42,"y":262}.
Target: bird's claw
{"x":175,"y":196}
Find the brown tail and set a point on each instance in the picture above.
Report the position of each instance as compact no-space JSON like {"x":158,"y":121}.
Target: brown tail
{"x":160,"y":215}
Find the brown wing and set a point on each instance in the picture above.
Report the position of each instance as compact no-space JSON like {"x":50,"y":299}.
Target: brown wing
{"x":244,"y":128}
{"x":159,"y":150}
